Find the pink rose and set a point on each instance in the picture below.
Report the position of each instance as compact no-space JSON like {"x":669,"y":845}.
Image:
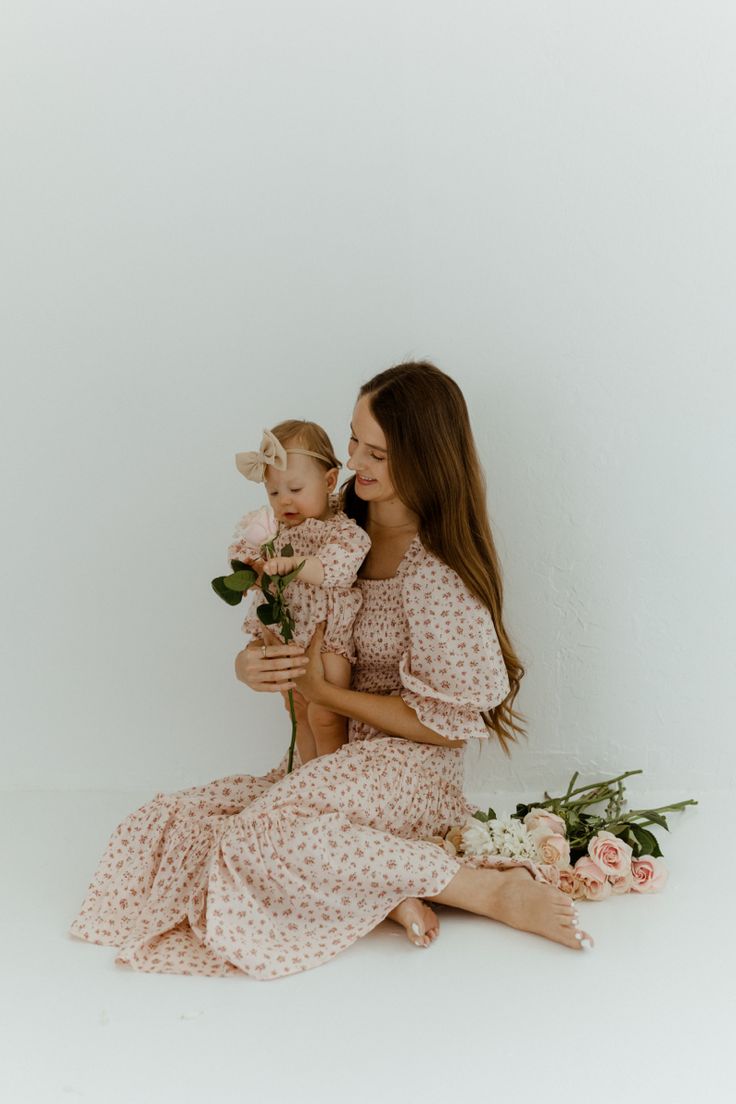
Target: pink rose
{"x":624,"y":884}
{"x":610,"y":853}
{"x":554,"y":849}
{"x":593,"y":880}
{"x":537,"y":818}
{"x":258,"y":527}
{"x":649,"y":874}
{"x":568,"y":880}
{"x":550,"y":873}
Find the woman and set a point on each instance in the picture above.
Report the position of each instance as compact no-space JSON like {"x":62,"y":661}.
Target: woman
{"x":271,"y":876}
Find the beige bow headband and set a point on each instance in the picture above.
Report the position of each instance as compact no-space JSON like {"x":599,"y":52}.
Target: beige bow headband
{"x":253,"y":464}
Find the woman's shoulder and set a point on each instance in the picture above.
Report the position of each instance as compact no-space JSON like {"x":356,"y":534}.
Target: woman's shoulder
{"x":420,"y":561}
{"x":427,"y":574}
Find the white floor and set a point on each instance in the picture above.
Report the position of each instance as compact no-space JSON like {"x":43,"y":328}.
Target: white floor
{"x":649,"y":1014}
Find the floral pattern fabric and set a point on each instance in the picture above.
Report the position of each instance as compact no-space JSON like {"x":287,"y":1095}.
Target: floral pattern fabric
{"x":341,"y":545}
{"x":272,"y":875}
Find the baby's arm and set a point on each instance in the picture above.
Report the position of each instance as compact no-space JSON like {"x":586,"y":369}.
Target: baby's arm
{"x":313,"y":571}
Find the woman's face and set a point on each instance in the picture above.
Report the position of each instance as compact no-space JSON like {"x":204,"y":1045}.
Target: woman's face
{"x":369,"y":456}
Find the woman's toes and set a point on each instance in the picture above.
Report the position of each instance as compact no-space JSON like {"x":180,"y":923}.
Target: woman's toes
{"x":420,"y":923}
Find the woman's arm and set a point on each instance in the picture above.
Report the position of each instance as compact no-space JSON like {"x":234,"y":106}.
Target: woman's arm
{"x":387,"y":712}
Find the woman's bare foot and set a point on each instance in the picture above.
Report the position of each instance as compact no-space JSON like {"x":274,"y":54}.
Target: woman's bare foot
{"x":515,"y":897}
{"x":421,"y":924}
{"x":522,"y":902}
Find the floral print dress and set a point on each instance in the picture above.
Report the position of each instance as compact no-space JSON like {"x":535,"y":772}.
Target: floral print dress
{"x":341,"y":545}
{"x":272,"y":875}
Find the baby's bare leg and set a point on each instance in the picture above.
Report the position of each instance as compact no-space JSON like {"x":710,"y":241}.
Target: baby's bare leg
{"x":330,"y":730}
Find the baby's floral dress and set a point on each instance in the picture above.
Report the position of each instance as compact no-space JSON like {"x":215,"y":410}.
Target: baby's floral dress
{"x":341,"y":545}
{"x":275,"y":874}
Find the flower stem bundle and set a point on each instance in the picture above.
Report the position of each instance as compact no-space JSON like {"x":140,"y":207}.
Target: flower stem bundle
{"x":583,"y":853}
{"x":260,"y":531}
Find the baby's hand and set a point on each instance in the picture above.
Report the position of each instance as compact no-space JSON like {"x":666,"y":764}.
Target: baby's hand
{"x":281,"y":565}
{"x":252,"y":559}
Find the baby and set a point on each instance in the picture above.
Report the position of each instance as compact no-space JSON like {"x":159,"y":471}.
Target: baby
{"x":297,"y":463}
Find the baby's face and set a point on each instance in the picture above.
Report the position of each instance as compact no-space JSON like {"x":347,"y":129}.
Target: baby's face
{"x":301,"y":491}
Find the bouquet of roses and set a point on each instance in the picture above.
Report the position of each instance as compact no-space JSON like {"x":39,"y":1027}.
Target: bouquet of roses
{"x":580,"y":852}
{"x":257,"y":534}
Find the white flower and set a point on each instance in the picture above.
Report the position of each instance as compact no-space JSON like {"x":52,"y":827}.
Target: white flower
{"x":476,"y":838}
{"x":511,"y":838}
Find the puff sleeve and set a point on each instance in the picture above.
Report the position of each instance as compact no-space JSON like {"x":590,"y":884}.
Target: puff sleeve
{"x":453,"y":667}
{"x":343,"y":552}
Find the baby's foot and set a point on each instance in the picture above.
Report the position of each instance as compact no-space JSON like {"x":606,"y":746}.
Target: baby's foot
{"x":421,"y":924}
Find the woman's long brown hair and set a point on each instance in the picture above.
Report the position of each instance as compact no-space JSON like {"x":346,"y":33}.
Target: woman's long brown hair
{"x":433,"y":465}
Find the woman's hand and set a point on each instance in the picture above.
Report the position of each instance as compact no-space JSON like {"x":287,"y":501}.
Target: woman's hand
{"x":312,"y":682}
{"x":276,"y":671}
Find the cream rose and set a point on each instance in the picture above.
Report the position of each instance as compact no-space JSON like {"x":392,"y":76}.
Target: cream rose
{"x":568,"y":880}
{"x":440,"y":841}
{"x":553,"y":823}
{"x":554,"y":849}
{"x":649,"y":874}
{"x":610,"y":853}
{"x":550,"y":873}
{"x":624,"y":884}
{"x":593,"y":880}
{"x":455,"y":837}
{"x":258,"y":527}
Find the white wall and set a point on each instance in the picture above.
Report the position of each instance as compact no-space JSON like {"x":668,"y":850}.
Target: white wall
{"x":217,"y":215}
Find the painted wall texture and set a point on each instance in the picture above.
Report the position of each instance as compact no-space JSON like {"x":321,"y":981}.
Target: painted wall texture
{"x":217,"y":217}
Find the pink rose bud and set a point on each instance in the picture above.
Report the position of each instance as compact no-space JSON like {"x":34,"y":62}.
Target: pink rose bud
{"x":624,"y":884}
{"x":649,"y":874}
{"x":610,"y":853}
{"x":537,"y":818}
{"x":567,"y":880}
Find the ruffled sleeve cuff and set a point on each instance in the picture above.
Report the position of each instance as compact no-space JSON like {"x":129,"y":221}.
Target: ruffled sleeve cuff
{"x":445,"y":715}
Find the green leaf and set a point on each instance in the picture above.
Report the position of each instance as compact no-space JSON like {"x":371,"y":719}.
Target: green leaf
{"x":483,"y":817}
{"x":240,"y":580}
{"x":238,"y":565}
{"x":230,"y":596}
{"x":658,"y":818}
{"x":647,"y":841}
{"x":287,"y":550}
{"x":266,"y":614}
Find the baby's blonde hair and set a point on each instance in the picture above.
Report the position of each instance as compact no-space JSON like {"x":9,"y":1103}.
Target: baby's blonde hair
{"x":297,"y":433}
